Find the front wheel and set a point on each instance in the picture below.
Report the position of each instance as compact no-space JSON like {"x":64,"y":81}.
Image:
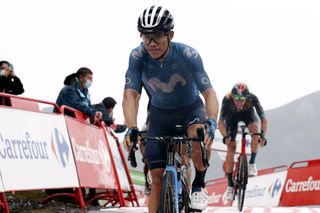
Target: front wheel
{"x":242,"y":180}
{"x":184,"y":203}
{"x":167,"y":198}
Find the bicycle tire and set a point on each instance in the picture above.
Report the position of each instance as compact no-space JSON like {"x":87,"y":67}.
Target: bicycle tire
{"x":185,"y":202}
{"x":167,"y":197}
{"x":242,"y":180}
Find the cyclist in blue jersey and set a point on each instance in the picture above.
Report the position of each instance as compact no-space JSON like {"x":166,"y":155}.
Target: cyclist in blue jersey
{"x":174,"y":76}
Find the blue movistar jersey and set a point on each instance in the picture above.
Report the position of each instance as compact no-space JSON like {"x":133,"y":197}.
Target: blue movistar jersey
{"x":172,"y":84}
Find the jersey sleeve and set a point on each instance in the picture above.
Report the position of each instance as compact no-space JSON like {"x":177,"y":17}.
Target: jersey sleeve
{"x":258,"y":107}
{"x":224,"y":109}
{"x":196,"y":66}
{"x":134,"y":71}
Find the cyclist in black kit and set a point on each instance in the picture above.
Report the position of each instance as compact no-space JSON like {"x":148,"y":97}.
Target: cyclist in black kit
{"x":240,"y":105}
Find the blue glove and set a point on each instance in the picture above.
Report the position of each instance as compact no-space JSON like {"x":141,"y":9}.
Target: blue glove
{"x":211,"y":126}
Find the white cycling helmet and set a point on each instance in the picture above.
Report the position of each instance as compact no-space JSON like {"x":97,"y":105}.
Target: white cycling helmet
{"x":155,"y":19}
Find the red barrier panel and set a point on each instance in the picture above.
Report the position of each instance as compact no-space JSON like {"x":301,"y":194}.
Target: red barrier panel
{"x":34,"y":114}
{"x":23,"y":103}
{"x":302,"y":186}
{"x":94,"y":162}
{"x":79,"y":116}
{"x":90,"y":152}
{"x":272,"y":170}
{"x":216,"y":188}
{"x":91,"y":155}
{"x":130,"y":194}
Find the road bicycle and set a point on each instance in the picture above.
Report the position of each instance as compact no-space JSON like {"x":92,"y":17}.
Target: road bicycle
{"x":175,"y":194}
{"x":240,"y":174}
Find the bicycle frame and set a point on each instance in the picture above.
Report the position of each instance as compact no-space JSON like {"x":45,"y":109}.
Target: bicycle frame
{"x":244,"y":133}
{"x":242,"y":152}
{"x":243,"y":147}
{"x":240,"y":174}
{"x":174,"y":164}
{"x":243,"y":144}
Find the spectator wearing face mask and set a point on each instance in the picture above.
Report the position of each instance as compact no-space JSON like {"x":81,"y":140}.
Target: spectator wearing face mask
{"x":75,"y":93}
{"x":9,"y":82}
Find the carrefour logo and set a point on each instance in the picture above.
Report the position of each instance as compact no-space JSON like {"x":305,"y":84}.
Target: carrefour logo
{"x":24,"y":147}
{"x":275,"y":187}
{"x":248,"y":142}
{"x":90,"y":154}
{"x":255,"y":192}
{"x":312,"y":184}
{"x":60,"y":147}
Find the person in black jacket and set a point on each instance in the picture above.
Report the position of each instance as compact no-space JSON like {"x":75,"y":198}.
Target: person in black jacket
{"x":106,"y":107}
{"x":9,"y":82}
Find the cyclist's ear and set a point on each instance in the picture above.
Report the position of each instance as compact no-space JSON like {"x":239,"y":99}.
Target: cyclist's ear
{"x":170,"y":35}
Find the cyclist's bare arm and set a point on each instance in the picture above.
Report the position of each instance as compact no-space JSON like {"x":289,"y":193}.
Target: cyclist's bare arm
{"x":212,"y":109}
{"x":264,"y":125}
{"x":221,"y":122}
{"x":130,"y":106}
{"x":260,"y":111}
{"x":222,"y":128}
{"x":211,"y":103}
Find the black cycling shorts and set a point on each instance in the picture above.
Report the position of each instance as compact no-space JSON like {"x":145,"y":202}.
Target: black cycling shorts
{"x":232,"y":120}
{"x":162,"y":123}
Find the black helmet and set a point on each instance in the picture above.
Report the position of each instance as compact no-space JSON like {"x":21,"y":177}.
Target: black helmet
{"x":155,"y":19}
{"x":240,"y":90}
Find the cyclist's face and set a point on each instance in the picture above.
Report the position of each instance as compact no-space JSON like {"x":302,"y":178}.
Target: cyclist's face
{"x":156,"y":43}
{"x":239,"y":103}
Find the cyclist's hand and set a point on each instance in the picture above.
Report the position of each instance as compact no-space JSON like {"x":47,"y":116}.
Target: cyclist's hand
{"x":211,"y":126}
{"x":99,"y":115}
{"x":132,"y":132}
{"x":226,"y":140}
{"x":263,"y":141}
